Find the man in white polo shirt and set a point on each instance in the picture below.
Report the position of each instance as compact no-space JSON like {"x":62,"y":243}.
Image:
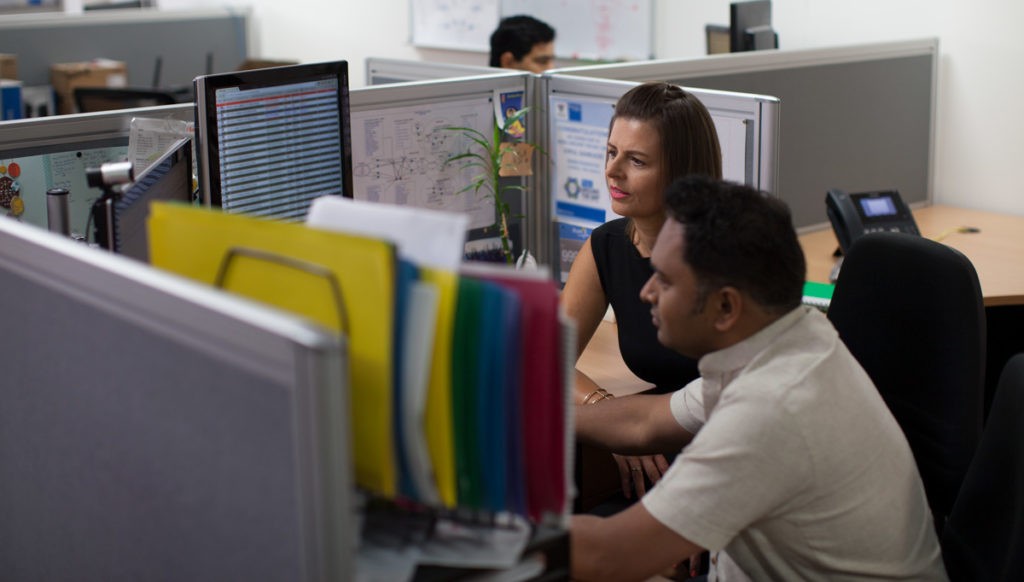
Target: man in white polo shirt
{"x":792,"y":467}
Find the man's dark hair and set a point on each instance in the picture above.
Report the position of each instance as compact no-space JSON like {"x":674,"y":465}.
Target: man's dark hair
{"x":735,"y":236}
{"x":517,"y":35}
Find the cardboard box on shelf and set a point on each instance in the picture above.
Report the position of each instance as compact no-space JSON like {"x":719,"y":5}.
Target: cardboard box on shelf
{"x":8,"y":66}
{"x":65,"y":77}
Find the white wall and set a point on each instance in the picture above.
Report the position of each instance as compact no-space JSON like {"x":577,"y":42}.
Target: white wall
{"x":979,"y":139}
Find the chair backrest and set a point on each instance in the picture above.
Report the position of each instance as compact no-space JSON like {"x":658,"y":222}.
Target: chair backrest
{"x":910,"y":310}
{"x":984,"y":536}
{"x":90,"y":99}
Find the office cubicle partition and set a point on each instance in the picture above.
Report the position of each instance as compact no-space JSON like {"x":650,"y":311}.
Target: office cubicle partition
{"x":398,"y":157}
{"x":405,"y":135}
{"x":402,"y":143}
{"x":164,"y":48}
{"x":381,"y":71}
{"x":578,"y":111}
{"x":856,"y":118}
{"x":153,"y":428}
{"x":54,"y":152}
{"x":29,"y":136}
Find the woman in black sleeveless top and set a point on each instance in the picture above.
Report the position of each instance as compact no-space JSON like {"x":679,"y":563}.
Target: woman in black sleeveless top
{"x":658,"y":133}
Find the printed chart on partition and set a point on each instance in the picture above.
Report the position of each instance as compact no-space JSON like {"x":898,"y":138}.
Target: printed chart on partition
{"x":403,"y":156}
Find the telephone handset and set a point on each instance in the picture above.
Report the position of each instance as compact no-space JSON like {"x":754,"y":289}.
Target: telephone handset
{"x":854,"y":215}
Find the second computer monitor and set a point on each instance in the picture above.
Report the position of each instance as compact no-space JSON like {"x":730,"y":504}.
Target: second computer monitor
{"x":272,"y":140}
{"x":750,"y":26}
{"x":167,"y":179}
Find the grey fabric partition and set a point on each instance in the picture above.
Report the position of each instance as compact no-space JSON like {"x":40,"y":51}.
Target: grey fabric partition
{"x":187,"y":41}
{"x":381,"y":71}
{"x":856,"y":118}
{"x":155,"y":429}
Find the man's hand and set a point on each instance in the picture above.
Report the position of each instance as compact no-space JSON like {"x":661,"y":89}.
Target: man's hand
{"x":634,"y":472}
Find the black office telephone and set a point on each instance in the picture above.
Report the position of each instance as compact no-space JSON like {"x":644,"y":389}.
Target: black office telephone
{"x":854,"y":215}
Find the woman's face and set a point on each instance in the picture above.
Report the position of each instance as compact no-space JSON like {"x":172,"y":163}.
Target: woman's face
{"x":635,"y":169}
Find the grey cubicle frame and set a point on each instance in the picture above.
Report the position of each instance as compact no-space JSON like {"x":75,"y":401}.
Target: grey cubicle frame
{"x":382,"y":71}
{"x":135,"y":36}
{"x":761,"y":114}
{"x":856,"y":117}
{"x":27,"y":136}
{"x":155,"y":428}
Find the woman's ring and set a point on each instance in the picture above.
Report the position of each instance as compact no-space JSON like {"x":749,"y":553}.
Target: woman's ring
{"x":637,"y":469}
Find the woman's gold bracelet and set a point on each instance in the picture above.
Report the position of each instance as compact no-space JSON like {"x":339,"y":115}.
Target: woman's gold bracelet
{"x":600,"y":392}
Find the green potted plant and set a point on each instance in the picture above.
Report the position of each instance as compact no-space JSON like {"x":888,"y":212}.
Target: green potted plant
{"x":497,"y":156}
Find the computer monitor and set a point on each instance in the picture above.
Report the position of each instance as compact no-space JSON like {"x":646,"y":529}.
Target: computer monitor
{"x":271,"y":140}
{"x":169,"y":178}
{"x":750,"y":26}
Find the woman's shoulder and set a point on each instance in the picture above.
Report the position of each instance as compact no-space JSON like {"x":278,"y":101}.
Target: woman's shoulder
{"x":612,"y":228}
{"x":608,"y":242}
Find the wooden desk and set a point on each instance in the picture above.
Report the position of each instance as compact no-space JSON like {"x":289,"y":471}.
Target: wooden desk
{"x":997,"y":252}
{"x":603,"y":364}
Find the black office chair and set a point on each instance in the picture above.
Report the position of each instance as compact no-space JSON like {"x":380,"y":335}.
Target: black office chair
{"x":90,"y":99}
{"x":984,"y":536}
{"x":910,"y":310}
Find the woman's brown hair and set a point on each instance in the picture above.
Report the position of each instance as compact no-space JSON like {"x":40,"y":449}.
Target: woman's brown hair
{"x":689,"y":141}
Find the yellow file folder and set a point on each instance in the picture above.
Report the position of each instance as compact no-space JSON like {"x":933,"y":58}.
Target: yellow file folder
{"x":304,"y":270}
{"x":438,"y":422}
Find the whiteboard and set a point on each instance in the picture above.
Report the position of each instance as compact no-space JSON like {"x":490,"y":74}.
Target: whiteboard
{"x":610,"y":30}
{"x":454,"y":24}
{"x":607,"y":30}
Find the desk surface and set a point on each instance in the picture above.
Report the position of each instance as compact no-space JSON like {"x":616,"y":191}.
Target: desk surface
{"x":603,"y":364}
{"x":997,"y":252}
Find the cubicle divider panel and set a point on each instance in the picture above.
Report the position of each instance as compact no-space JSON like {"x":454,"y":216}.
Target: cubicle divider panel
{"x":857,"y":118}
{"x":154,"y":428}
{"x":381,"y":71}
{"x":405,"y":136}
{"x":578,"y":112}
{"x":54,"y":152}
{"x":187,"y":42}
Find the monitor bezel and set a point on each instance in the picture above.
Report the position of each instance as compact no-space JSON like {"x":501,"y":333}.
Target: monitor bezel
{"x":177,"y":158}
{"x":207,"y":137}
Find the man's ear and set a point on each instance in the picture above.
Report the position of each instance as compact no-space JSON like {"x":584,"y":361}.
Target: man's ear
{"x":507,"y":60}
{"x":729,"y":307}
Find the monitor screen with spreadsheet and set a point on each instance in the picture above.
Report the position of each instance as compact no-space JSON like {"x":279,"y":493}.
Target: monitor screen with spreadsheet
{"x":272,"y":140}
